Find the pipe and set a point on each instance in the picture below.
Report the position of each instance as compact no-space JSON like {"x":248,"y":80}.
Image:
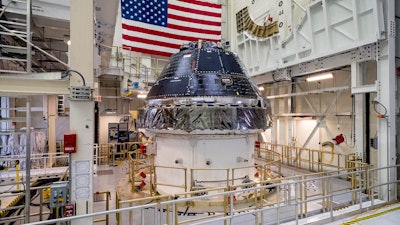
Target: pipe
{"x":27,"y":161}
{"x":28,"y":36}
{"x":367,"y":128}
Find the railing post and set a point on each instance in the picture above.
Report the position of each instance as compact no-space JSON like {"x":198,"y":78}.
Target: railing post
{"x":130,"y":215}
{"x":296,"y":207}
{"x":185,"y":178}
{"x":118,"y":216}
{"x":300,"y":185}
{"x":278,"y":200}
{"x":257,"y":206}
{"x":41,"y":204}
{"x":319,"y":161}
{"x":361,"y":185}
{"x":168,"y":215}
{"x":227,"y":178}
{"x":175,"y":210}
{"x":353,"y":186}
{"x":225,"y":205}
{"x":305,"y":195}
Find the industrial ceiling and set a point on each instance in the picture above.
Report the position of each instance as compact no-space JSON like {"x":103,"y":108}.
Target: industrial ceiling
{"x":50,"y":30}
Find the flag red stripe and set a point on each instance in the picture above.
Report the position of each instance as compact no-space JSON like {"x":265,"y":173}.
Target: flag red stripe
{"x":152,"y":42}
{"x":208,"y":4}
{"x":196,"y":11}
{"x":191,"y":29}
{"x":192,"y":20}
{"x":163,"y":34}
{"x":148,"y":51}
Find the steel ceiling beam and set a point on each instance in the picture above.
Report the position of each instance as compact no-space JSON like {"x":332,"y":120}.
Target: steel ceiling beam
{"x":33,"y":84}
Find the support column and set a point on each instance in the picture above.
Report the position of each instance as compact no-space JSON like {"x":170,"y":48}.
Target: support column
{"x":52,"y":116}
{"x":275,"y":122}
{"x":283,"y":121}
{"x":82,"y":112}
{"x":397,"y":13}
{"x":359,"y":110}
{"x":27,"y":162}
{"x":386,"y":96}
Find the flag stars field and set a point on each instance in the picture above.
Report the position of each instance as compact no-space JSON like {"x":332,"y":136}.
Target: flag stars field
{"x":160,"y":27}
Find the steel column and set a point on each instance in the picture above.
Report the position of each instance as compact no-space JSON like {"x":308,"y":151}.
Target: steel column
{"x":82,"y":112}
{"x":387,"y":126}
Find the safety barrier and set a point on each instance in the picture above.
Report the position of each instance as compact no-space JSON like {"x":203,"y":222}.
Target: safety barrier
{"x":39,"y":164}
{"x":103,"y":196}
{"x":183,"y":174}
{"x":102,"y":154}
{"x":290,"y":201}
{"x":305,"y":158}
{"x":141,"y":167}
{"x":135,"y":65}
{"x":274,"y":198}
{"x":42,"y":194}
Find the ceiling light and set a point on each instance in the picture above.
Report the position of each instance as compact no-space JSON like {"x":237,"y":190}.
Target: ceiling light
{"x":142,"y":95}
{"x":320,"y":77}
{"x":261,"y":88}
{"x":110,"y":111}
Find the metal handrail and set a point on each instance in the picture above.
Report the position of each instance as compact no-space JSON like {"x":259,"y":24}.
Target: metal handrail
{"x":232,"y":212}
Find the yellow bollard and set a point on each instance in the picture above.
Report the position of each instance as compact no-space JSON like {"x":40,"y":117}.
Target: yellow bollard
{"x":17,"y":178}
{"x":46,"y":193}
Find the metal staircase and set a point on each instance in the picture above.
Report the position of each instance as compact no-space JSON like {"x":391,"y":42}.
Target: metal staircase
{"x":33,"y":39}
{"x":15,"y":48}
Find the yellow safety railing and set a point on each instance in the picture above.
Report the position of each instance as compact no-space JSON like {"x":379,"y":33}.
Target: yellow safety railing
{"x":249,"y":196}
{"x":132,"y":202}
{"x":183,"y":184}
{"x":311,"y":159}
{"x":97,"y":198}
{"x":144,"y":68}
{"x":252,"y":200}
{"x":197,"y":171}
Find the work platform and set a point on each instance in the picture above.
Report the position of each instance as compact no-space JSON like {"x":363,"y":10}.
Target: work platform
{"x":12,"y":189}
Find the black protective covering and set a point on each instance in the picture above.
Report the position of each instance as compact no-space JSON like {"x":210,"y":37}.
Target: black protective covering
{"x":205,"y":87}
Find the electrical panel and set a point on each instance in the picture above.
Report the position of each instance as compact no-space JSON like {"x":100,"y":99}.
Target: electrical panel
{"x":374,"y":142}
{"x":58,"y":194}
{"x":69,"y":143}
{"x":118,"y":132}
{"x":80,"y":93}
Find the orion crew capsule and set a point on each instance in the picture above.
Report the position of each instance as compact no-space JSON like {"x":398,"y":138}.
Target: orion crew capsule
{"x":204,"y":114}
{"x":204,"y":87}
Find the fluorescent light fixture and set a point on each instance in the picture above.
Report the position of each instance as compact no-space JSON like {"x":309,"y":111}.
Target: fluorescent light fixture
{"x":320,"y":77}
{"x":110,"y":111}
{"x":261,"y":88}
{"x":142,"y":95}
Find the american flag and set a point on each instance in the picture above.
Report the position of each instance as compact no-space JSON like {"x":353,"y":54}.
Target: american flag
{"x":160,"y":27}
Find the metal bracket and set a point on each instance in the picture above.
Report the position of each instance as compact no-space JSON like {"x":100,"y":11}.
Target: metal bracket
{"x":366,"y":88}
{"x":281,"y":74}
